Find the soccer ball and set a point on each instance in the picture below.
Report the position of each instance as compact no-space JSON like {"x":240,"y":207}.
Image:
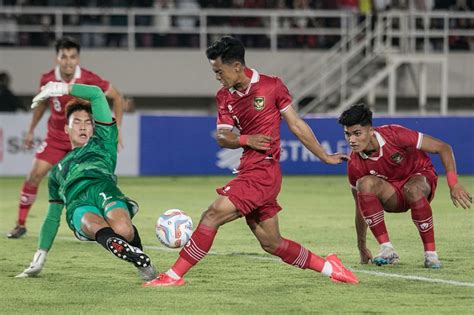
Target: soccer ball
{"x":174,"y":228}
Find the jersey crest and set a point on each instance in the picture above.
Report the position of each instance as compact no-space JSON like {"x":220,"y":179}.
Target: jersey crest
{"x":397,"y":157}
{"x":259,"y":102}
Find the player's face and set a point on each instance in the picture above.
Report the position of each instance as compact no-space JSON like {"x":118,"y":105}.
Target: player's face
{"x":80,"y":128}
{"x":227,"y":74}
{"x":358,"y":137}
{"x":67,"y":59}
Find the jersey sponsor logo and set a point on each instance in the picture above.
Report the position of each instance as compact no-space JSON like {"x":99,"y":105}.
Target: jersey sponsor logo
{"x":375,"y":173}
{"x":259,"y":102}
{"x":226,"y":189}
{"x":397,"y":157}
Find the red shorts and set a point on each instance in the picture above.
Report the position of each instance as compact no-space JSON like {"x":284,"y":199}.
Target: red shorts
{"x":52,"y":150}
{"x":254,"y":191}
{"x":432,"y":179}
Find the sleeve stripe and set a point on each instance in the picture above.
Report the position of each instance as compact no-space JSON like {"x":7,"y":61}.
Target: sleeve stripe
{"x":113,"y":122}
{"x":420,"y":140}
{"x":56,"y":201}
{"x":285,"y":109}
{"x":224,"y":126}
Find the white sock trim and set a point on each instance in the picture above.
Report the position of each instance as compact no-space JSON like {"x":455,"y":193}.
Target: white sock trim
{"x":387,"y":244}
{"x":173,"y":274}
{"x":327,"y":269}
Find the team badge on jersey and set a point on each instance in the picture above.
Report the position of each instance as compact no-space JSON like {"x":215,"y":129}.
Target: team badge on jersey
{"x":259,"y":102}
{"x":397,"y":158}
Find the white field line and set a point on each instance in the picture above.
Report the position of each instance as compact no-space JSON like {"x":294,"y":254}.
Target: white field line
{"x":277,"y":260}
{"x":373,"y":273}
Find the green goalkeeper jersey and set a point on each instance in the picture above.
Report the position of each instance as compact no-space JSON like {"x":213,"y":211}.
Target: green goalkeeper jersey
{"x":84,"y":165}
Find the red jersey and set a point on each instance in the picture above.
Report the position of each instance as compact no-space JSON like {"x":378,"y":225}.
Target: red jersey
{"x":57,"y":119}
{"x":257,"y":111}
{"x":399,"y":156}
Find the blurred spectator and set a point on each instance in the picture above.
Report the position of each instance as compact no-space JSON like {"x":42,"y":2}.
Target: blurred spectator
{"x":117,"y":39}
{"x":302,"y":23}
{"x":187,"y":23}
{"x":163,"y":22}
{"x":9,"y":27}
{"x":9,"y":102}
{"x":144,"y":39}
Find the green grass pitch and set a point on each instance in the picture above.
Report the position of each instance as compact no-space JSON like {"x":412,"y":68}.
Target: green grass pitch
{"x":238,"y":277}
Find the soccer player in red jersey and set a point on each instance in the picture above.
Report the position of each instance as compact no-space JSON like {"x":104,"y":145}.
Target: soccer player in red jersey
{"x":57,"y":144}
{"x":254,"y":104}
{"x":390,"y":170}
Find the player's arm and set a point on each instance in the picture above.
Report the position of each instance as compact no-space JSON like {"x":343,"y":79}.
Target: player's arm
{"x":227,"y":139}
{"x":361,"y":230}
{"x":100,"y":107}
{"x":118,"y":104}
{"x":304,"y":133}
{"x":48,"y":232}
{"x":38,"y":113}
{"x":459,"y":195}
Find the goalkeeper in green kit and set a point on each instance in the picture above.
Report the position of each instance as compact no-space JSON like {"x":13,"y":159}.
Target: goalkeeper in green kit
{"x":84,"y":183}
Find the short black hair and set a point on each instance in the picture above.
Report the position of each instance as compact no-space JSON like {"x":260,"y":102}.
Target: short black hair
{"x":67,"y":43}
{"x":75,"y":105}
{"x":358,"y":114}
{"x":230,"y":49}
{"x":4,"y":79}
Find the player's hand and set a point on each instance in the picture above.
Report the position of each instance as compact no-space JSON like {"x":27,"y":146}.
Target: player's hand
{"x":259,"y":142}
{"x":365,"y":255}
{"x":36,"y":265}
{"x":461,"y":197}
{"x":28,"y":140}
{"x":51,"y":89}
{"x":336,"y":158}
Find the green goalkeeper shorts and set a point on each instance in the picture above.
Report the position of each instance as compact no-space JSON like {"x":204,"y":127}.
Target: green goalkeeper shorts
{"x":99,"y":198}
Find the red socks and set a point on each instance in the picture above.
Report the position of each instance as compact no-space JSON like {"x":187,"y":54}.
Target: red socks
{"x":422,"y":216}
{"x":194,"y":250}
{"x":294,"y":254}
{"x":27,"y":198}
{"x":372,"y":211}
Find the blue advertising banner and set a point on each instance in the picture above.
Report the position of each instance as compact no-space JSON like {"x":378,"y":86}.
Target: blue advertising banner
{"x":181,"y":145}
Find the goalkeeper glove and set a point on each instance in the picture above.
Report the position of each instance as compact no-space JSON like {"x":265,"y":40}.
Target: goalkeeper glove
{"x":51,"y":89}
{"x":36,"y":265}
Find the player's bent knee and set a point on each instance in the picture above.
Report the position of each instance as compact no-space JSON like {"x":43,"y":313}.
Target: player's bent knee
{"x":367,"y":183}
{"x":412,"y":192}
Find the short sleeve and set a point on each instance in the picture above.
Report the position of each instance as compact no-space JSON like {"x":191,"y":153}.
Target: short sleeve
{"x":406,"y":138}
{"x":107,"y":133}
{"x":282,"y":96}
{"x":94,"y":79}
{"x":43,"y":81}
{"x":224,"y":118}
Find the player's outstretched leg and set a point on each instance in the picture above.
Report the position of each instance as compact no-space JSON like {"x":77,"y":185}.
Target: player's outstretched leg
{"x":296,"y":255}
